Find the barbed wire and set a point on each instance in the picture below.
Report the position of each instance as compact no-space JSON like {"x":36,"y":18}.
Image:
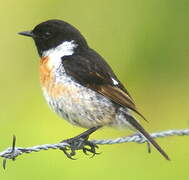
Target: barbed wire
{"x":13,"y":152}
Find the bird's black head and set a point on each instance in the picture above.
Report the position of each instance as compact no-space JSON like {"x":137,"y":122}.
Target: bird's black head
{"x":51,"y":33}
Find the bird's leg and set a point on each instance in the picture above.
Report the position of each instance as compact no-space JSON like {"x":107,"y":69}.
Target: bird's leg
{"x":80,"y":142}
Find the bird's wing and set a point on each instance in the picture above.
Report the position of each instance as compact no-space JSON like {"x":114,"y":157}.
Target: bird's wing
{"x":93,"y":72}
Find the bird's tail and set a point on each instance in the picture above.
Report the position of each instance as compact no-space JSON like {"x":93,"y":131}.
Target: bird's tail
{"x":139,"y":128}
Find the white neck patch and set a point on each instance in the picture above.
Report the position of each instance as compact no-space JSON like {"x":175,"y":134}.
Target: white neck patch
{"x":55,"y":54}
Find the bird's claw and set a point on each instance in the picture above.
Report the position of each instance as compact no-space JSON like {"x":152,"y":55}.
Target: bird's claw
{"x":79,"y":143}
{"x":91,"y":150}
{"x":69,"y":152}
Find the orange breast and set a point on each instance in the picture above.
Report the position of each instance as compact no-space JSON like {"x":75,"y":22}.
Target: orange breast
{"x":46,"y":76}
{"x":47,"y":80}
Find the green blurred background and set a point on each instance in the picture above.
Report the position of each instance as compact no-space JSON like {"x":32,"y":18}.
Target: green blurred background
{"x":147,"y":44}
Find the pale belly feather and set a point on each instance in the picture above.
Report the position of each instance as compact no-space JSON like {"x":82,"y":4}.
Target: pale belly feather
{"x":79,"y":105}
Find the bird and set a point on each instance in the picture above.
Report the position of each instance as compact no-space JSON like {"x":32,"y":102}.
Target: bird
{"x":80,"y":86}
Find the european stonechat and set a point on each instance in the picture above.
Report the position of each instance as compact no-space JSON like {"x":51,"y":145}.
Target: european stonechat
{"x":80,"y":86}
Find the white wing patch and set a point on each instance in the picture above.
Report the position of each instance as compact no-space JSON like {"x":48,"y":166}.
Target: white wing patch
{"x":114,"y":81}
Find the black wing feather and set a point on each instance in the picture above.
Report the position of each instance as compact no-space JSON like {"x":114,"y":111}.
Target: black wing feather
{"x":90,"y":70}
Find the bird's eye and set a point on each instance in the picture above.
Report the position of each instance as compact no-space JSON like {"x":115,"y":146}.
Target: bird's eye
{"x":46,"y":35}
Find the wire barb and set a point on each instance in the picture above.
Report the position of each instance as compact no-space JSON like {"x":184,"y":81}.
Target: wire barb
{"x":13,"y":152}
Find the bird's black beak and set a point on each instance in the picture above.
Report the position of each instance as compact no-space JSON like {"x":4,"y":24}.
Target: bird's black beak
{"x":26,"y":33}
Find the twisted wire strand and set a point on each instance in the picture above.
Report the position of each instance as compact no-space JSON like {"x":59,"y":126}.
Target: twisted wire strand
{"x":13,"y":152}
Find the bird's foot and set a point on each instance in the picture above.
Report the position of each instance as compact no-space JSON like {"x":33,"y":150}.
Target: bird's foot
{"x":80,"y":142}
